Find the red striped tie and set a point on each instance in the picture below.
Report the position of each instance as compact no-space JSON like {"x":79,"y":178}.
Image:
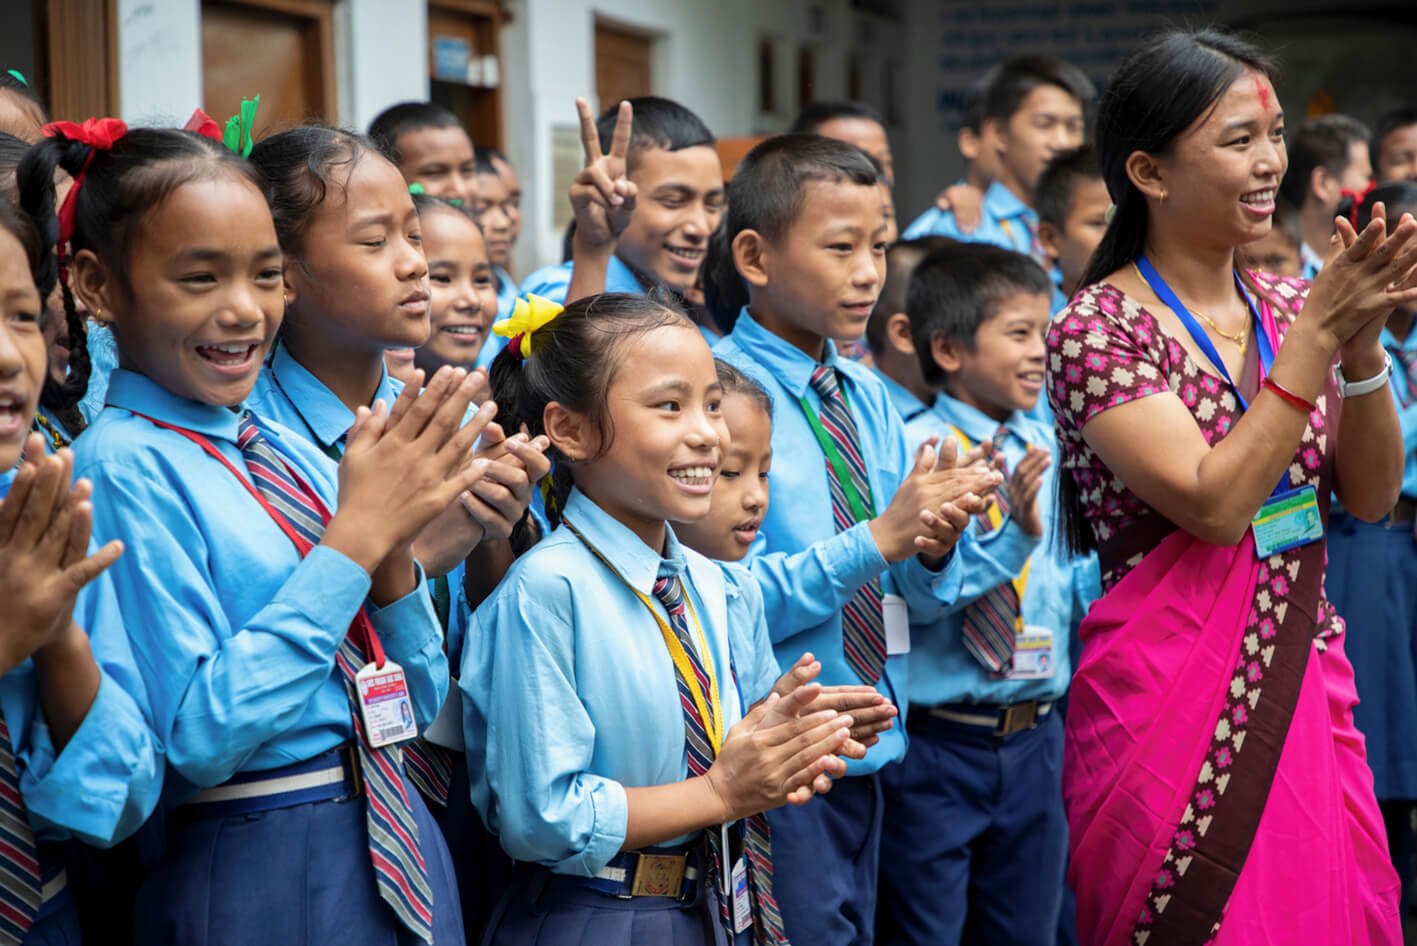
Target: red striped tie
{"x":21,"y":889}
{"x":399,"y":868}
{"x":990,"y":622}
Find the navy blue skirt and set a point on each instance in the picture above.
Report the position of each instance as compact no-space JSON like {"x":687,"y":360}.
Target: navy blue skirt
{"x":1372,"y":581}
{"x":297,"y":876}
{"x":57,"y":924}
{"x":543,"y":909}
{"x":483,"y":868}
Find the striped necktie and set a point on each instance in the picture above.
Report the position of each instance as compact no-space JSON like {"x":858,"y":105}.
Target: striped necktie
{"x":21,"y":888}
{"x":863,"y":623}
{"x":990,"y":622}
{"x":399,"y":868}
{"x":757,"y":841}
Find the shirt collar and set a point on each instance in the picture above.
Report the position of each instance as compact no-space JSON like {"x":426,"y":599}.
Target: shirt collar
{"x":142,"y":395}
{"x":638,"y":564}
{"x":906,"y":404}
{"x":1004,"y":203}
{"x":323,"y":412}
{"x":974,"y":423}
{"x":783,"y":360}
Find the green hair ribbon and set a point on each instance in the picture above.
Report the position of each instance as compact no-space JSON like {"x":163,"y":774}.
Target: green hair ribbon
{"x":237,"y":135}
{"x":19,"y":77}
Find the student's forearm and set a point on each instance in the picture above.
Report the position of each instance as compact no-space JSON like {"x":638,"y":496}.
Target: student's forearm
{"x":590,"y":269}
{"x":68,"y":679}
{"x":661,"y":812}
{"x":1370,"y":453}
{"x":486,"y":565}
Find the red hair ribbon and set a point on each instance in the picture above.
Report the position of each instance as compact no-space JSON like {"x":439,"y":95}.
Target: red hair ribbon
{"x":204,"y":125}
{"x":1358,"y":198}
{"x":100,"y":134}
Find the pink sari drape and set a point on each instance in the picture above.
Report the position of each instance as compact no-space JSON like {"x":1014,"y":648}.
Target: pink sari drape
{"x":1178,"y":825}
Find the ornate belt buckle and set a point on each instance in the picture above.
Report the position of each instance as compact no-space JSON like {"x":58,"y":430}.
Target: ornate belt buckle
{"x":659,"y":875}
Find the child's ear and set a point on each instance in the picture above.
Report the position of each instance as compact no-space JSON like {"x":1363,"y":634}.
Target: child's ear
{"x":1321,"y":184}
{"x":968,"y":144}
{"x":570,"y":432}
{"x":750,"y":252}
{"x":898,"y":334}
{"x":93,"y":285}
{"x":1050,"y":238}
{"x":947,"y":353}
{"x":289,"y":285}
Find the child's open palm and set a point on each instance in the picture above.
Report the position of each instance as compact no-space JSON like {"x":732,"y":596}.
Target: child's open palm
{"x":602,"y":196}
{"x":1025,"y":482}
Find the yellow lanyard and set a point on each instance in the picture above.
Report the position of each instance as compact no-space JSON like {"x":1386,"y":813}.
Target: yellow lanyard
{"x":996,"y":519}
{"x":709,"y":706}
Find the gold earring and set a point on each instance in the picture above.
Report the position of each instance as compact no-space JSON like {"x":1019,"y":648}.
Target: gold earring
{"x":1163,"y":195}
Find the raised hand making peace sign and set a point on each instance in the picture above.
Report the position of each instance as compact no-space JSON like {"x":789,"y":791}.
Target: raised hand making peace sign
{"x":602,"y":196}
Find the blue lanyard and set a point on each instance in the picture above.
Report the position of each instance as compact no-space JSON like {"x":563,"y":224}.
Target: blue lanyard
{"x":1202,"y":340}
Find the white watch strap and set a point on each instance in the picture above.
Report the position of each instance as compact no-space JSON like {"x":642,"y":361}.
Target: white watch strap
{"x":1348,"y":388}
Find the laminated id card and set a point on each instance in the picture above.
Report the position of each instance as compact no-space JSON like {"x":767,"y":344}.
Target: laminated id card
{"x":385,"y":704}
{"x":742,"y":902}
{"x":1033,"y":654}
{"x":897,"y":617}
{"x":1287,"y":521}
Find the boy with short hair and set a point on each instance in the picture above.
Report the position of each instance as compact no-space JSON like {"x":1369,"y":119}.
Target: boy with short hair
{"x":493,"y":206}
{"x":975,"y":840}
{"x":1033,"y":109}
{"x":806,"y":231}
{"x":888,"y":331}
{"x":652,"y":197}
{"x":853,"y":122}
{"x":1393,"y":147}
{"x":429,"y":146}
{"x":1072,"y":203}
{"x":1328,"y":159}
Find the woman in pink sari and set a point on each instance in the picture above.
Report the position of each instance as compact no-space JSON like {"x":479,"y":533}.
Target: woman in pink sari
{"x":1216,"y":787}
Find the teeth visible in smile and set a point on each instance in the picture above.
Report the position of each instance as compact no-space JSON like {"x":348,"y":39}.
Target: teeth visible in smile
{"x":463,"y":330}
{"x":1259,"y":197}
{"x":693,"y":475}
{"x":687,"y":254}
{"x":229,"y":349}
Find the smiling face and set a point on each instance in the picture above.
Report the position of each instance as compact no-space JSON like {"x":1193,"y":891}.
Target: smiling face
{"x":1048,"y":122}
{"x":441,"y":160}
{"x":740,"y":496}
{"x":820,"y":279}
{"x":514,"y":195}
{"x":464,"y":292}
{"x":1222,"y":174}
{"x":1003,"y":371}
{"x":679,"y":205}
{"x":23,"y":357}
{"x":359,"y":275}
{"x":202,"y":295}
{"x":665,"y":426}
{"x":491,"y":207}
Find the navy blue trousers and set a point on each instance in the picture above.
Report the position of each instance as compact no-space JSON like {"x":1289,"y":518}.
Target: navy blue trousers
{"x":826,"y":856}
{"x":975,"y":839}
{"x":483,"y":869}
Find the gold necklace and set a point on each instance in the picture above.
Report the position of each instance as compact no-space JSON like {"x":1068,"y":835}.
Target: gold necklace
{"x":1241,"y":341}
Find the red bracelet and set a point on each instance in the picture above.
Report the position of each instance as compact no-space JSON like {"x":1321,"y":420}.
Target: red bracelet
{"x":1289,"y":397}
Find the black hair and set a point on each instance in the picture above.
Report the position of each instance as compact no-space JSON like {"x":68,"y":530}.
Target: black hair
{"x":658,"y":123}
{"x":1399,"y":197}
{"x":494,"y":154}
{"x":770,"y":184}
{"x":1154,"y":96}
{"x":1327,"y":142}
{"x":300,"y":166}
{"x":573,"y":362}
{"x":120,"y":185}
{"x":901,"y":260}
{"x":28,"y":97}
{"x":397,"y":120}
{"x":725,"y":293}
{"x":812,"y":117}
{"x":482,"y":162}
{"x":22,"y":228}
{"x":972,"y":106}
{"x":736,"y":382}
{"x":1021,"y":75}
{"x":1057,"y":186}
{"x":1387,"y":123}
{"x":12,"y":149}
{"x":955,"y":290}
{"x":423,"y":203}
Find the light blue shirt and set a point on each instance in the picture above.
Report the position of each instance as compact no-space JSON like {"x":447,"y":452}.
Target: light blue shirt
{"x":103,"y":359}
{"x":108,"y":778}
{"x":506,"y":301}
{"x":807,"y":570}
{"x":907,"y":405}
{"x":234,"y":633}
{"x":552,"y":282}
{"x":1406,"y":397}
{"x":1004,"y":220}
{"x":570,"y":692}
{"x":1312,"y":262}
{"x":941,"y":670}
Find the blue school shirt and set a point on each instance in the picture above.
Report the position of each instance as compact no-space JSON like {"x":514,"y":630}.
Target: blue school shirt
{"x":941,"y":670}
{"x":106,"y":781}
{"x":1004,"y":220}
{"x":906,"y":404}
{"x":552,"y":282}
{"x":1406,"y":396}
{"x":1312,"y":262}
{"x":807,"y":570}
{"x":570,"y":693}
{"x":234,"y":633}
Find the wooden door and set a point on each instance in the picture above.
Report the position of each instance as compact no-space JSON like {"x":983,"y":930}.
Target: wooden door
{"x":622,"y":65}
{"x":81,"y":48}
{"x":472,"y":30}
{"x":282,"y":50}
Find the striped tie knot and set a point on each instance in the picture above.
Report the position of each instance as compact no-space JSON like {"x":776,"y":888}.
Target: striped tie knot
{"x":824,"y":382}
{"x":670,"y":592}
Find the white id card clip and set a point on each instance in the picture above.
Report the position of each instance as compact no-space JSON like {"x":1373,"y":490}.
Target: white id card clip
{"x":897,"y":616}
{"x":1033,"y":654}
{"x":385,"y":704}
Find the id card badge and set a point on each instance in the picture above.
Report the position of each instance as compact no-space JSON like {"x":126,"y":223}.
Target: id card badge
{"x":897,"y":615}
{"x":742,"y":901}
{"x":1033,"y":654}
{"x":1287,"y":521}
{"x":385,"y":704}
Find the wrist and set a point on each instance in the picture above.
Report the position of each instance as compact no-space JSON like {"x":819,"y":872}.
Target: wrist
{"x":880,"y":534}
{"x":355,"y":542}
{"x":1363,"y":361}
{"x":396,"y":576}
{"x":715,"y":803}
{"x":1315,"y":337}
{"x":69,"y":647}
{"x":583,"y":249}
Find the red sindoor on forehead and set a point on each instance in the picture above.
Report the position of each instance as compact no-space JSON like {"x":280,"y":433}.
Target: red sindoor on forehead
{"x":1262,"y":89}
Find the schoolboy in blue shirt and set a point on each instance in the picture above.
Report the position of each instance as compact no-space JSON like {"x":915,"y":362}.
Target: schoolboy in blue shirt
{"x":658,"y":186}
{"x":806,"y":227}
{"x":888,"y":332}
{"x":1032,"y":110}
{"x":975,"y":842}
{"x":1328,"y":162}
{"x":430,"y":147}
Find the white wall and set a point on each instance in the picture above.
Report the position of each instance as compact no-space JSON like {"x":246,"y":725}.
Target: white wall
{"x":381,"y":56}
{"x":159,"y":60}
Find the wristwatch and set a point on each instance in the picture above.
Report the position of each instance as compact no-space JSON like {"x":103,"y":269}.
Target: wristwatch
{"x":1348,"y":388}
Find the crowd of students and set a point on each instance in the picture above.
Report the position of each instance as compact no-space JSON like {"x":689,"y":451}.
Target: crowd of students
{"x":750,"y":576}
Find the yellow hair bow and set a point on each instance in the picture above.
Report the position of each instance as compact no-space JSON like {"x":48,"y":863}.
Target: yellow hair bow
{"x":528,"y":316}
